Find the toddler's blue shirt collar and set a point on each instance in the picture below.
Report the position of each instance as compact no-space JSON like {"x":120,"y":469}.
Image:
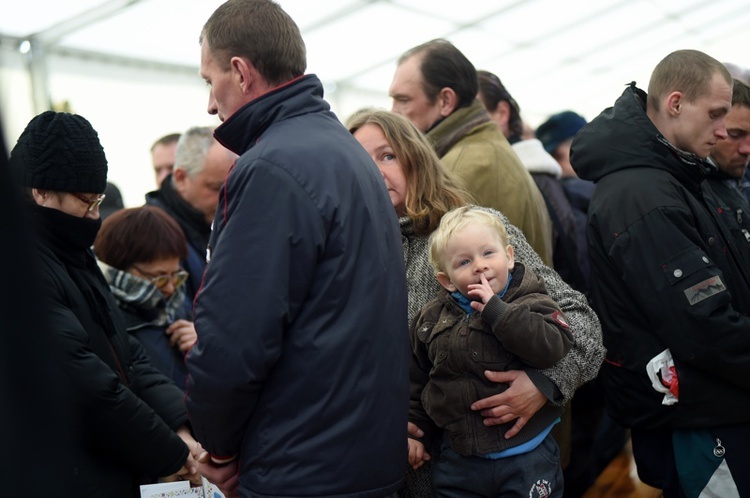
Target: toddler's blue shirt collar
{"x":465,"y":302}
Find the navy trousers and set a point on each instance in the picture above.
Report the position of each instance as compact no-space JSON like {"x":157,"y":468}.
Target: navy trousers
{"x":533,"y":474}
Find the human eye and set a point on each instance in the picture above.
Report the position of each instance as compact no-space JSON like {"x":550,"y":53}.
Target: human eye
{"x":736,"y":134}
{"x":388,"y":157}
{"x":488,"y":252}
{"x":462,"y":262}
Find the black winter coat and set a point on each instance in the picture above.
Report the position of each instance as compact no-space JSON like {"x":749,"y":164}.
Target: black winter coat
{"x":666,"y":273}
{"x":127,"y":411}
{"x":733,"y":210}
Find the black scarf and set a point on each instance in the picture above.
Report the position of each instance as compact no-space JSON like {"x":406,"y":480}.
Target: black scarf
{"x":192,"y":221}
{"x":70,"y":239}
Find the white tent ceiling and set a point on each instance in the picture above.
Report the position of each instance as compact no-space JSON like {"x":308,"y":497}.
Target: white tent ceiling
{"x":551,"y":54}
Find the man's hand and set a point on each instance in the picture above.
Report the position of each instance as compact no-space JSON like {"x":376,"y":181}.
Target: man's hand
{"x":182,"y":335}
{"x":482,"y":291}
{"x":226,"y":477}
{"x":519,"y":402}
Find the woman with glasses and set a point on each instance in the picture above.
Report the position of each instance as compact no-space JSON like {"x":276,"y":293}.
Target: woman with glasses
{"x":129,"y":423}
{"x":139,"y":252}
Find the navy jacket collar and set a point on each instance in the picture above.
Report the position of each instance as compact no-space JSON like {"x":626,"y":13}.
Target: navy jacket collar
{"x":243,"y":129}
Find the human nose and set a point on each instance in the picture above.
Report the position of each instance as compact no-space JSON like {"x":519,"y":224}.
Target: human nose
{"x":480,"y":266}
{"x":93,"y":213}
{"x":382,"y":173}
{"x":396,"y":107}
{"x":744,"y":147}
{"x":168,"y":289}
{"x":721,"y":131}
{"x":212,"y":107}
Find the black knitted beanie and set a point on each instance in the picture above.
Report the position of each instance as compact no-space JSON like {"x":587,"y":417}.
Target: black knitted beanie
{"x":60,"y":151}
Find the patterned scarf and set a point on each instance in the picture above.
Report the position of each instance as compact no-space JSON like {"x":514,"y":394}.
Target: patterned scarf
{"x":143,"y":297}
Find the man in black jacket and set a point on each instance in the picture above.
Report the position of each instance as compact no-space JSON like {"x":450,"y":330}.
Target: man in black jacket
{"x":668,"y":282}
{"x":730,"y":159}
{"x":298,"y":384}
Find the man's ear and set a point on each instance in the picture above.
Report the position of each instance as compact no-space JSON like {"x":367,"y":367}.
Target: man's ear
{"x":503,"y":110}
{"x":448,"y":101}
{"x":674,"y":103}
{"x":243,"y":73}
{"x":180,"y":177}
{"x":247,"y":78}
{"x":445,"y":281}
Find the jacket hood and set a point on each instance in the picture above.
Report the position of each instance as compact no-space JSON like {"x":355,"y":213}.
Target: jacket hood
{"x":244,"y":128}
{"x":535,"y":159}
{"x":624,"y":137}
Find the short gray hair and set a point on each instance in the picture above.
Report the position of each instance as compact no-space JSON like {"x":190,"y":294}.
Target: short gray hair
{"x":192,"y":149}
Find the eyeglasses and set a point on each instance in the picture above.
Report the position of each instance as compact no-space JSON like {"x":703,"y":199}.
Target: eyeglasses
{"x":160,"y":281}
{"x":92,"y":204}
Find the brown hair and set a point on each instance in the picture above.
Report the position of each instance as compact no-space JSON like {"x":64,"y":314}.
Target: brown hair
{"x":431,"y":191}
{"x":740,"y":94}
{"x":444,"y":66}
{"x":139,"y":235}
{"x":686,"y":71}
{"x":260,"y":31}
{"x":171,"y":138}
{"x":492,"y":92}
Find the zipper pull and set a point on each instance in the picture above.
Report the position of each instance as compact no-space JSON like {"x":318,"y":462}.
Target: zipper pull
{"x":739,"y":216}
{"x":746,"y":234}
{"x":719,"y":451}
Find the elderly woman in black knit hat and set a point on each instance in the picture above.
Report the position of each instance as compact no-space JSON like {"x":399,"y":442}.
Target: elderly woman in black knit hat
{"x":131,"y":422}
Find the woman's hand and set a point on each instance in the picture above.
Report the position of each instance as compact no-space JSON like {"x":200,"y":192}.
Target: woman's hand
{"x":182,"y":335}
{"x":190,"y":470}
{"x":519,"y":402}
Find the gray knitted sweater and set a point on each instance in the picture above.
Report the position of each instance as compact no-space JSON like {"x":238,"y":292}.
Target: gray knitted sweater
{"x":579,"y":366}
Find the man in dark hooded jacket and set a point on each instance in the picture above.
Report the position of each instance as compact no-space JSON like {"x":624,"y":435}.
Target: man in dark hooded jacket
{"x":668,"y":283}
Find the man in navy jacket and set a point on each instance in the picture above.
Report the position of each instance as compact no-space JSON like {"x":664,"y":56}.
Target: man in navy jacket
{"x":299,"y":381}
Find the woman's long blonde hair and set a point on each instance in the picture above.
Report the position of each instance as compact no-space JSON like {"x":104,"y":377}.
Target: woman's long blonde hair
{"x":430,"y":190}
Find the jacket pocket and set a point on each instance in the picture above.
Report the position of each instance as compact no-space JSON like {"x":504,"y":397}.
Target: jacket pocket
{"x":692,"y":271}
{"x":435,"y":339}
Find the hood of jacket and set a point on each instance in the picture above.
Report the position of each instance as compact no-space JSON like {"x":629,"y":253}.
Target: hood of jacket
{"x":623,"y":137}
{"x":243,"y":129}
{"x":535,"y":159}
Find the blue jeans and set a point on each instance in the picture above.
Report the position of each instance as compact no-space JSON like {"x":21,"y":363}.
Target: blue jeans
{"x":530,"y":474}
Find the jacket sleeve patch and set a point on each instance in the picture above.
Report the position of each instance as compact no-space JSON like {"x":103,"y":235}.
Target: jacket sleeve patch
{"x":704,"y":290}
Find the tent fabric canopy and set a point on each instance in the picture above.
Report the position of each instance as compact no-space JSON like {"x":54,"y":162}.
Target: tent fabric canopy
{"x":131,"y":66}
{"x":550,"y":54}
